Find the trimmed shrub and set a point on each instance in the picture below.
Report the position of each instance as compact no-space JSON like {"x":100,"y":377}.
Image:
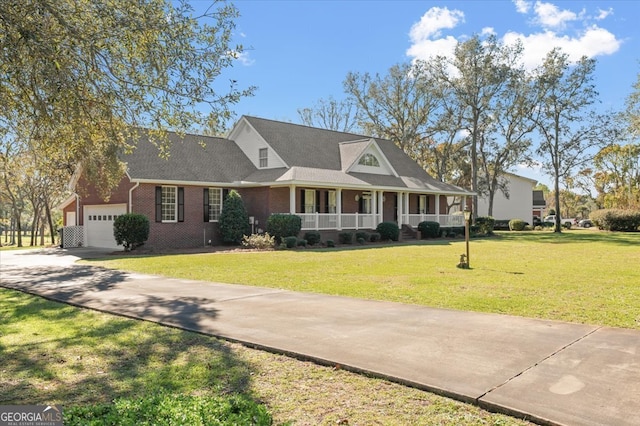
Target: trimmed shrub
{"x":290,"y":242}
{"x":284,"y":225}
{"x":131,"y":230}
{"x":429,"y":229}
{"x":616,"y":220}
{"x":361,"y":241}
{"x":501,"y":225}
{"x":517,"y":225}
{"x":301,"y":243}
{"x":345,"y":237}
{"x":312,"y":237}
{"x":259,"y":241}
{"x":374,"y":237}
{"x":388,"y":231}
{"x":362,"y":234}
{"x":331,"y":243}
{"x":234,"y":220}
{"x":485,"y":225}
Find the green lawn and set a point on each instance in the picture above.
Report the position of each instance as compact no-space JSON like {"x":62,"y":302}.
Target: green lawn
{"x":105,"y":369}
{"x":584,"y":276}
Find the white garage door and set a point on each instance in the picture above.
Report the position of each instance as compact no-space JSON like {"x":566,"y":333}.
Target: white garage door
{"x":98,"y":224}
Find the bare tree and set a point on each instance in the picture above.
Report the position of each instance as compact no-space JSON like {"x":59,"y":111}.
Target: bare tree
{"x":331,"y":114}
{"x":571,"y":132}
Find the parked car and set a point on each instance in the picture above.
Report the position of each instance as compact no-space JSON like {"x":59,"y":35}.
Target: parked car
{"x":563,"y":222}
{"x":585,"y":223}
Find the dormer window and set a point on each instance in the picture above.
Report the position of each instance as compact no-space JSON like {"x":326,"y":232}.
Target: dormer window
{"x":263,"y":156}
{"x":369,"y":160}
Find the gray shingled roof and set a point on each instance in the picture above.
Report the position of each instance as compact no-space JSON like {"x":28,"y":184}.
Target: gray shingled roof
{"x":312,"y":148}
{"x":315,"y":156}
{"x":191,"y":158}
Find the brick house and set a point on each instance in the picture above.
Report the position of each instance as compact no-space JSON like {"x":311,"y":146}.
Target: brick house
{"x":334,"y":181}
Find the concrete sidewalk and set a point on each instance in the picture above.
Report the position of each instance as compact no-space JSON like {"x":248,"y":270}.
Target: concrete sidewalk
{"x":548,"y":371}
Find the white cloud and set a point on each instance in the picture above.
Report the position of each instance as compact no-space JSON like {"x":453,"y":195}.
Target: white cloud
{"x":549,"y":16}
{"x":602,"y":14}
{"x":589,"y":39}
{"x":244,"y":59}
{"x":432,"y":22}
{"x":425,"y":34}
{"x":431,"y":48}
{"x":522,"y":6}
{"x":592,"y":42}
{"x":488,"y":31}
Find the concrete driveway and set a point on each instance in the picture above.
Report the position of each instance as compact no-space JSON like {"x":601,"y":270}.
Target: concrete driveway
{"x":550,"y":372}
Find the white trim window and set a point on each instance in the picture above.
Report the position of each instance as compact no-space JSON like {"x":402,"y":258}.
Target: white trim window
{"x":263,"y":157}
{"x":366,"y":201}
{"x":309,"y":201}
{"x":332,"y":201}
{"x":215,"y":204}
{"x":369,"y":160}
{"x":169,"y":203}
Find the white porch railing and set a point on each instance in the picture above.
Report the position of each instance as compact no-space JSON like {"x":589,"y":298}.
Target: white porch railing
{"x":442,"y":219}
{"x":329,"y":221}
{"x":332,"y":221}
{"x":72,"y":236}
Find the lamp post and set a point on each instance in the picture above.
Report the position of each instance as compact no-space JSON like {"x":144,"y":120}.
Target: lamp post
{"x":467,"y":218}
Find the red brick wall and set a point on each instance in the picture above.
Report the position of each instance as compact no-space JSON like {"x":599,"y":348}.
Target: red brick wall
{"x":70,"y":208}
{"x":89,"y":196}
{"x":256,"y":202}
{"x":193,"y":232}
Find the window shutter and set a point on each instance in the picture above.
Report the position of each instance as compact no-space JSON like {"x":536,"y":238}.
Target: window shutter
{"x":302,"y":196}
{"x":361,"y":204}
{"x":418,"y":204}
{"x":225,"y":193}
{"x":158,"y":204}
{"x":180,"y":204}
{"x":205,"y":204}
{"x":317,"y":201}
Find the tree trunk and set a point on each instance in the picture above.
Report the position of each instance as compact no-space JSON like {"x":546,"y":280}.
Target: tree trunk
{"x":47,"y":210}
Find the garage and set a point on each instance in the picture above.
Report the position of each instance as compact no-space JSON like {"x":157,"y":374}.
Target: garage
{"x":98,"y":224}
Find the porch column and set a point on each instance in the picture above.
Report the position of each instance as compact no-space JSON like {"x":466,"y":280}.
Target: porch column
{"x":339,"y":208}
{"x":292,"y":199}
{"x":437,"y":208}
{"x":381,"y":206}
{"x":405,"y":208}
{"x":400,"y":212}
{"x":374,"y":208}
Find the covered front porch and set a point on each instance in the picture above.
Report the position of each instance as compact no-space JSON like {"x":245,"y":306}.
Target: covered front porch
{"x":355,"y":209}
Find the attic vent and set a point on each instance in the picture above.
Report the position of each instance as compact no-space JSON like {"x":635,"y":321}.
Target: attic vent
{"x":369,"y":160}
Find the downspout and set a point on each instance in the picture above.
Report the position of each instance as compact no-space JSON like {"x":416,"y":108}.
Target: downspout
{"x":77,"y":210}
{"x":131,"y":196}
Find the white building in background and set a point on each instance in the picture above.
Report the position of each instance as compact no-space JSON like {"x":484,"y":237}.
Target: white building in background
{"x":519,"y":205}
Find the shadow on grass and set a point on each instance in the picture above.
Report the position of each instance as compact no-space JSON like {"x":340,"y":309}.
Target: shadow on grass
{"x":574,"y":237}
{"x":55,"y":353}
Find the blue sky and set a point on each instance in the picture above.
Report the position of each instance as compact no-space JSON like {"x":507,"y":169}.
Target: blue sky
{"x":300,"y":51}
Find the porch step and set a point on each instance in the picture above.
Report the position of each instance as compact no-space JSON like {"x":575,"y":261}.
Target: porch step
{"x":408,"y":233}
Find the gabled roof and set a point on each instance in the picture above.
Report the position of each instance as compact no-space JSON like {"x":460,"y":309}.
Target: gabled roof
{"x":314,"y":156}
{"x":350,"y":152}
{"x":192,"y":158}
{"x":313,"y":148}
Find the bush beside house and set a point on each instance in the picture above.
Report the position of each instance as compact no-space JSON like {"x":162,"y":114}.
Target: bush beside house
{"x":131,"y":230}
{"x":284,"y":225}
{"x":388,"y":231}
{"x":234,"y":220}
